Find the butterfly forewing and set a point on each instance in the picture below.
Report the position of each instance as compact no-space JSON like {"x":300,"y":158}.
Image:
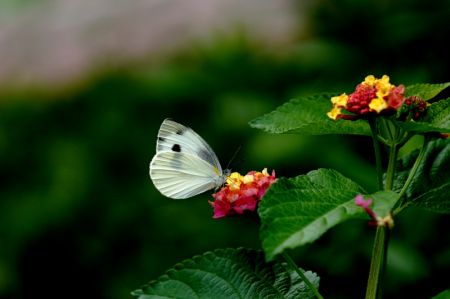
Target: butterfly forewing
{"x":174,"y":137}
{"x":181,"y":175}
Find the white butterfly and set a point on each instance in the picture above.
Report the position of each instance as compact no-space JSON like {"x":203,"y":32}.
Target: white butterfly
{"x":184,"y":164}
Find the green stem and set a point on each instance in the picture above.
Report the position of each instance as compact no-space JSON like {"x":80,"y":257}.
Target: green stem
{"x":376,"y":147}
{"x":379,"y":252}
{"x":393,"y":151}
{"x":411,"y":176}
{"x":378,"y":262}
{"x":299,"y":271}
{"x":388,"y":130}
{"x":383,"y":130}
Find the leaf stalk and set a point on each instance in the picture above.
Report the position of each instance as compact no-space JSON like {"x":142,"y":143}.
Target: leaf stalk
{"x":411,"y":176}
{"x":299,"y":271}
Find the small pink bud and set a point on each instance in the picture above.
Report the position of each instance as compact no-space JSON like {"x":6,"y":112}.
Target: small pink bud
{"x":365,"y":204}
{"x":360,"y":201}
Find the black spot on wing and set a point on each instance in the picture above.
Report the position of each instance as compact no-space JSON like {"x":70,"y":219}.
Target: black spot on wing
{"x":176,"y":148}
{"x":161,"y":139}
{"x":181,"y":131}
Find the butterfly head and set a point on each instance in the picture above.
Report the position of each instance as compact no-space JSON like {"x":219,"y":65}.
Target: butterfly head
{"x":226,"y":173}
{"x":222,"y":178}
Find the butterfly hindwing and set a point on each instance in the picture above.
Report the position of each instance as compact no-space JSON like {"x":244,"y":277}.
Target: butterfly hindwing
{"x":181,"y":175}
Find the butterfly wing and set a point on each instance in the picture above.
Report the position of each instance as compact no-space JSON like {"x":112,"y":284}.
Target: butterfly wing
{"x":181,"y":175}
{"x":174,"y":137}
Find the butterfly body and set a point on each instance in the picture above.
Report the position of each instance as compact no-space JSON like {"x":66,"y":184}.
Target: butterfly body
{"x":184,"y":164}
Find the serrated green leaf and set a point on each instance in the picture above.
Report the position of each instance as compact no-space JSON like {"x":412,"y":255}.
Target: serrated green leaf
{"x":443,"y":295}
{"x":299,"y":210}
{"x":429,"y":187}
{"x":437,"y":119}
{"x":229,"y":273}
{"x":308,"y":116}
{"x":425,"y":91}
{"x":435,"y":200}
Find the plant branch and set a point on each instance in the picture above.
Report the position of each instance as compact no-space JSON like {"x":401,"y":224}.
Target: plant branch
{"x":378,"y":263}
{"x":379,"y":252}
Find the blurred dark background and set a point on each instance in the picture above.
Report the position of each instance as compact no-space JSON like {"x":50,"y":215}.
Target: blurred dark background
{"x":84,"y":86}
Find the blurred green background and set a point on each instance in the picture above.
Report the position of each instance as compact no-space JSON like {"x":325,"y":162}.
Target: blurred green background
{"x":79,"y":216}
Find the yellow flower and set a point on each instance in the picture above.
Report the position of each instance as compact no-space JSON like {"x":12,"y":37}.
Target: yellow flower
{"x":383,"y":87}
{"x":334,"y":112}
{"x":265,"y":172}
{"x":340,"y":101}
{"x":370,"y":80}
{"x":234,"y":180}
{"x":384,"y":79}
{"x":247,"y":179}
{"x":378,"y":105}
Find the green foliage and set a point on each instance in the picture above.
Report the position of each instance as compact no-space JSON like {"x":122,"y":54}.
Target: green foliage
{"x":383,"y":202}
{"x":299,"y":210}
{"x":429,"y":187}
{"x":437,"y":119}
{"x":229,"y":273}
{"x":73,"y":165}
{"x":425,"y":91}
{"x":443,"y":295}
{"x":435,"y":200}
{"x":307,"y":115}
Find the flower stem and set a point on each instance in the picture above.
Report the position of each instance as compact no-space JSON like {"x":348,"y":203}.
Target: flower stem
{"x":299,"y":271}
{"x":378,"y":263}
{"x":376,"y":147}
{"x":379,"y":252}
{"x":393,"y":151}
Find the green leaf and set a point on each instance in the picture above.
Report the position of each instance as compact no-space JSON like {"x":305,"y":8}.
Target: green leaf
{"x":428,"y":187}
{"x":308,"y":116}
{"x":435,"y":200}
{"x":229,"y":273}
{"x":437,"y":119}
{"x":425,"y":91}
{"x":299,"y":210}
{"x":383,"y":202}
{"x":443,"y":295}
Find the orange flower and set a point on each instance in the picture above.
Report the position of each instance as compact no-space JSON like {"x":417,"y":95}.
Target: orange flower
{"x":241,"y":193}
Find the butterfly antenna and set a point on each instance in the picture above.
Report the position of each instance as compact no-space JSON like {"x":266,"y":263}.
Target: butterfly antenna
{"x":234,"y":156}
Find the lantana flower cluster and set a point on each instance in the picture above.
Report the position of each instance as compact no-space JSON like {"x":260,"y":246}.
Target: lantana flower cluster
{"x":241,"y":193}
{"x":372,"y":96}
